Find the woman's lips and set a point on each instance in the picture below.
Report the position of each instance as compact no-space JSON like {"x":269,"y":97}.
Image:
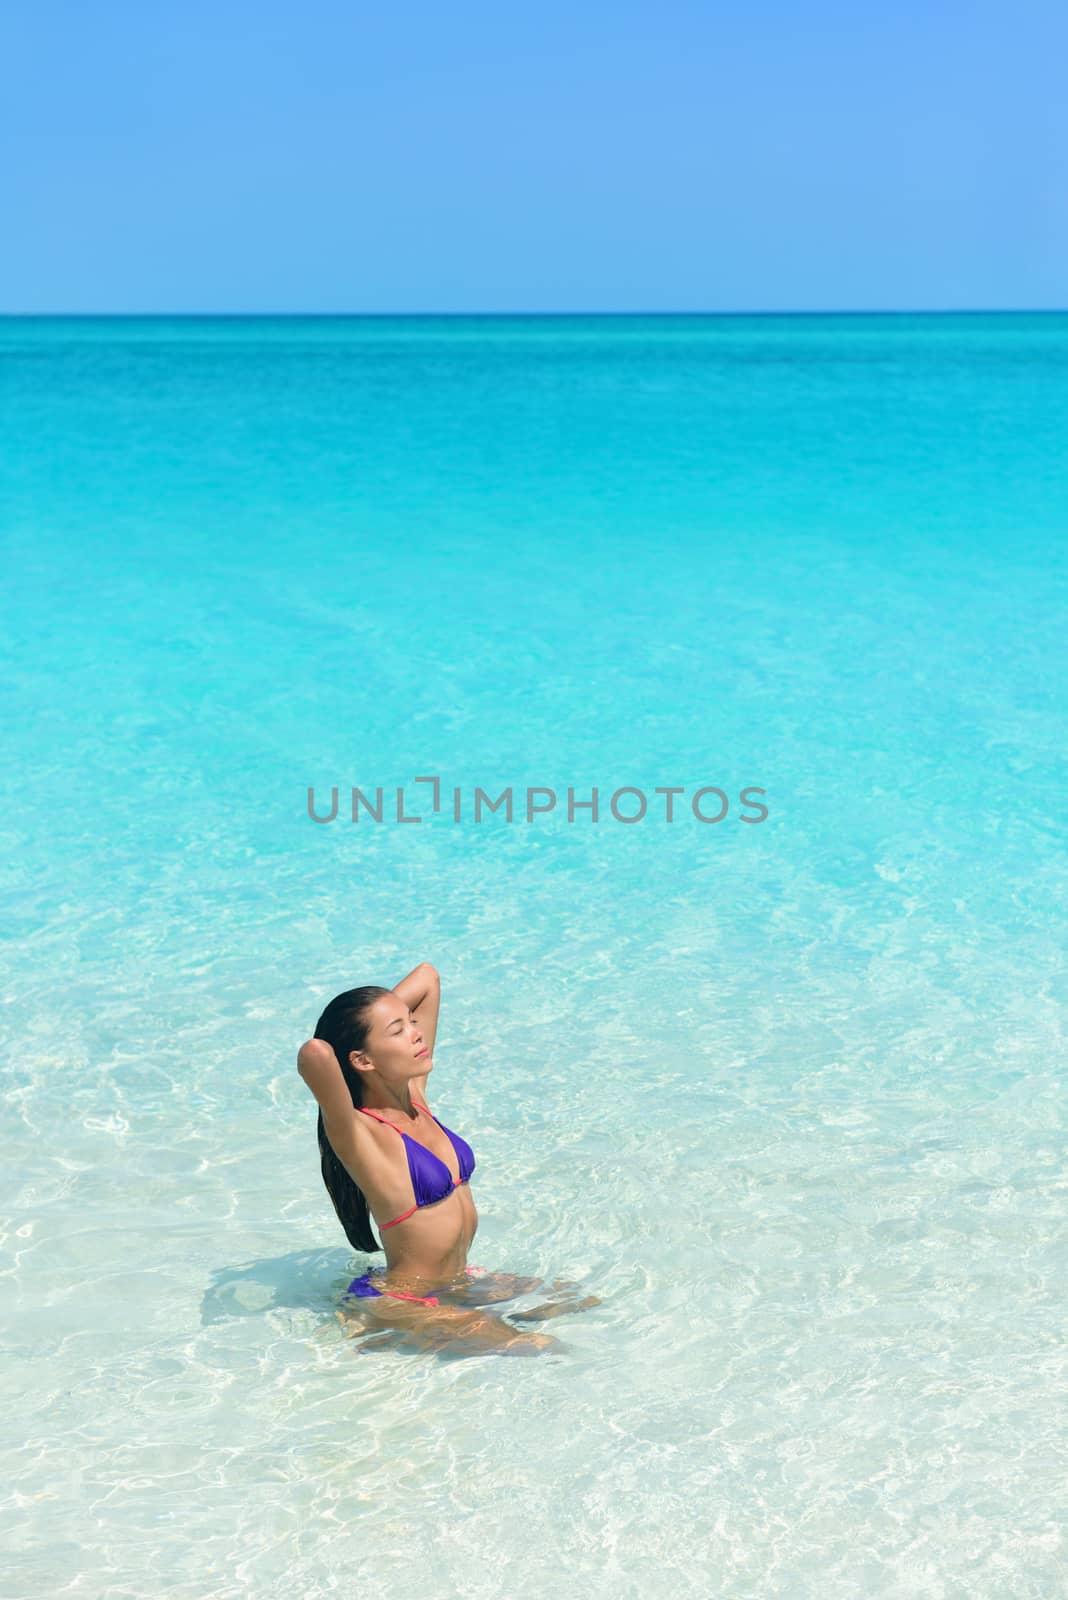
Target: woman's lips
{"x":423,"y":1052}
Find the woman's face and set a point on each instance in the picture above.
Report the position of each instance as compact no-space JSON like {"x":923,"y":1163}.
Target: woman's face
{"x":395,"y":1045}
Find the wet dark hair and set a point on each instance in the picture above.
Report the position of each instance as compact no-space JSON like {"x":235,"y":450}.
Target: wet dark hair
{"x":345,"y":1025}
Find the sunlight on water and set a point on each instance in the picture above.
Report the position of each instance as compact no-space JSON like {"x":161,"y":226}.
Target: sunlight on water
{"x":786,"y":1095}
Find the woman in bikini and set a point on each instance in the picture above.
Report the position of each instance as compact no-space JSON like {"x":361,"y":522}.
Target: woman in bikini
{"x":386,"y":1156}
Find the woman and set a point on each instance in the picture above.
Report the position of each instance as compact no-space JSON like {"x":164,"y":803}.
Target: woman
{"x":385,"y":1155}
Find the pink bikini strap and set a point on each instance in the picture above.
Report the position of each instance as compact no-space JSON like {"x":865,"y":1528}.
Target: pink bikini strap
{"x":376,"y":1117}
{"x":393,"y":1125}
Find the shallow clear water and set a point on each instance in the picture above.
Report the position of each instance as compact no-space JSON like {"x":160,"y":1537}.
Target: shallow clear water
{"x":788,"y":1096}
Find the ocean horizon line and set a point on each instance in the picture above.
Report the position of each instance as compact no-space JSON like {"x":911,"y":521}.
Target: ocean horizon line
{"x":401,"y":316}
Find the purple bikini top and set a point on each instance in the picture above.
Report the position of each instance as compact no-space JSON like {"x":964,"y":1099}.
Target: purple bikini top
{"x":431,"y":1179}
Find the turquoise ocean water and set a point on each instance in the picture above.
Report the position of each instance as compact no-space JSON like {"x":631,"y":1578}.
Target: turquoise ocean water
{"x":788,"y":1096}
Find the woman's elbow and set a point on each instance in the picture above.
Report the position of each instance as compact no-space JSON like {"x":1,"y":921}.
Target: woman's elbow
{"x":314,"y":1058}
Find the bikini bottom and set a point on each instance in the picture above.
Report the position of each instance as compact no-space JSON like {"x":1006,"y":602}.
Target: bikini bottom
{"x":363,"y":1287}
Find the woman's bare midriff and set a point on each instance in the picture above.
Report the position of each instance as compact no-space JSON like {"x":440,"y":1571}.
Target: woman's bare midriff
{"x":430,"y":1247}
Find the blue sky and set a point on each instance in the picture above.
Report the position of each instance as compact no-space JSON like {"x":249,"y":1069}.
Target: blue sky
{"x":549,"y":157}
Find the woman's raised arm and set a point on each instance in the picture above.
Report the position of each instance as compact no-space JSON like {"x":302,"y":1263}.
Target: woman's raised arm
{"x":421,"y":990}
{"x":318,"y":1066}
